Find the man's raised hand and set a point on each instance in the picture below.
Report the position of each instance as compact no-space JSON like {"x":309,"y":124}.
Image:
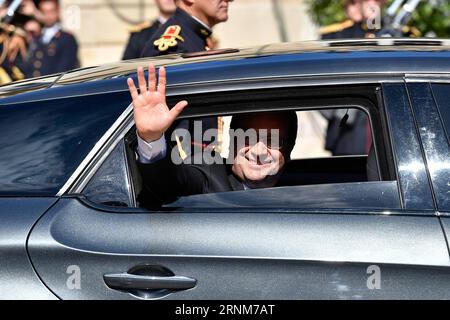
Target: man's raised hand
{"x":151,"y":113}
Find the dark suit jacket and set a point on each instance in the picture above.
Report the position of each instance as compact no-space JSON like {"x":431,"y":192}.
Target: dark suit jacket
{"x":164,"y":182}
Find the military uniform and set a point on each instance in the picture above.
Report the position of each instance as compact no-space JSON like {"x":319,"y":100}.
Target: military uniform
{"x":10,"y":70}
{"x":59,"y":55}
{"x":183,"y":34}
{"x":350,"y":30}
{"x":139,"y":36}
{"x":11,"y":38}
{"x":180,"y":34}
{"x":343,"y":30}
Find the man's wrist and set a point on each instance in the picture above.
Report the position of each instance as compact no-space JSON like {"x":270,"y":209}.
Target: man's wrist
{"x":149,"y":138}
{"x":150,"y":152}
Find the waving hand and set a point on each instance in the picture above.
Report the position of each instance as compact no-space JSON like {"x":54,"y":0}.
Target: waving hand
{"x":151,"y":113}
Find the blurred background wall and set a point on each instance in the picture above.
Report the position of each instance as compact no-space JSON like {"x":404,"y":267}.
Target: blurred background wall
{"x":102,"y":26}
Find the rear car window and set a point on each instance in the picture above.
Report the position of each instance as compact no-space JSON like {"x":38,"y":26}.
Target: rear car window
{"x":43,"y":142}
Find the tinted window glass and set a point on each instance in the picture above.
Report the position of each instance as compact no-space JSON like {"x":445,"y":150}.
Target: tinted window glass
{"x":110,"y":184}
{"x":442,"y":95}
{"x":43,"y":142}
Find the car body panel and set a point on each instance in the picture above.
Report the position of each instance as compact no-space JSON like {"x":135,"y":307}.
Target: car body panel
{"x":17,"y":277}
{"x":301,"y":254}
{"x":239,"y":255}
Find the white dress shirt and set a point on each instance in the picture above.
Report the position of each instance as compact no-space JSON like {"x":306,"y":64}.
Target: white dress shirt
{"x":49,"y":33}
{"x":149,"y":152}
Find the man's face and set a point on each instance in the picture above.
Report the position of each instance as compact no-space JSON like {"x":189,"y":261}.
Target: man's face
{"x":211,"y":12}
{"x":259,"y":163}
{"x":50,"y":12}
{"x":354,"y":11}
{"x":166,"y":6}
{"x":33,"y":29}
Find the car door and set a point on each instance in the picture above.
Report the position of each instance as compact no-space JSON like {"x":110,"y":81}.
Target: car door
{"x":82,"y":250}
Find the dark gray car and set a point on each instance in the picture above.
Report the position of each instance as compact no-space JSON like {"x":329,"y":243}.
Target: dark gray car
{"x":369,"y":226}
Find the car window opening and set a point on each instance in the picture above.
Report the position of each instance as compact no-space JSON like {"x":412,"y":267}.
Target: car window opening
{"x":328,"y":151}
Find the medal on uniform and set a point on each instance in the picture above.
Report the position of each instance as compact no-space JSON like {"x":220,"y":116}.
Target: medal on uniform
{"x":169,"y":38}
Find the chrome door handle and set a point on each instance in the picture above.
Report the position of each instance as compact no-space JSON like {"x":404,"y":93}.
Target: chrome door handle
{"x":126,"y":281}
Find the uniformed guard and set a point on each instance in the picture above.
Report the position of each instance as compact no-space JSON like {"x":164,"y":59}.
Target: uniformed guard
{"x":12,"y":53}
{"x":12,"y":43}
{"x":182,"y":33}
{"x":143,"y":32}
{"x":139,"y":35}
{"x":56,"y":50}
{"x":188,"y":31}
{"x":347,"y":29}
{"x":359,"y":12}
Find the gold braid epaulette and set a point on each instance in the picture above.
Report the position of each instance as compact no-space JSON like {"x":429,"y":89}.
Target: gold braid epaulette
{"x":139,"y":27}
{"x":12,"y":30}
{"x":336,"y":27}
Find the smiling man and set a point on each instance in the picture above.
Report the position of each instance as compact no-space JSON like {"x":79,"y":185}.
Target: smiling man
{"x":257,"y":160}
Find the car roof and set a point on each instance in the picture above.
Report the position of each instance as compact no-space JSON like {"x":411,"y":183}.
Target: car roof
{"x":353,"y":56}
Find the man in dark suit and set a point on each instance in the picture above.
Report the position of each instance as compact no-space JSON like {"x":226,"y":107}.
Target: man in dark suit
{"x":256,"y":161}
{"x":143,"y":32}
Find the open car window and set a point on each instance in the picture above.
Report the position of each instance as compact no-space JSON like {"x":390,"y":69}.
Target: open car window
{"x":323,"y":172}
